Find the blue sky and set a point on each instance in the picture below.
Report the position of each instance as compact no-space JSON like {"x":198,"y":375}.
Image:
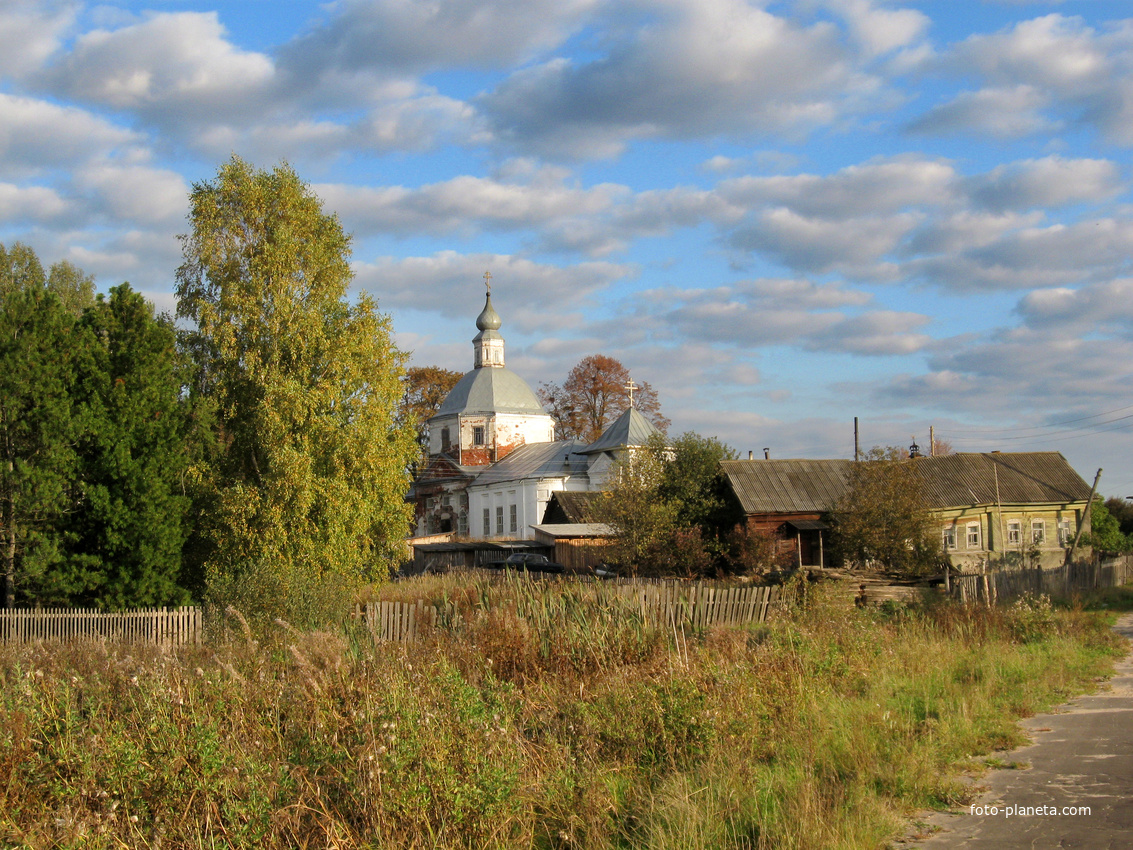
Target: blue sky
{"x":782,"y":215}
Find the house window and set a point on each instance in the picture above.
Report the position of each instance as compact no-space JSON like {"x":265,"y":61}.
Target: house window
{"x":446,"y":500}
{"x":1014,"y":533}
{"x":477,"y":435}
{"x":1038,"y":532}
{"x":1064,"y":535}
{"x":487,"y":522}
{"x":949,"y":537}
{"x":499,"y":519}
{"x":446,"y":439}
{"x":513,"y":520}
{"x":974,"y":536}
{"x":462,"y":524}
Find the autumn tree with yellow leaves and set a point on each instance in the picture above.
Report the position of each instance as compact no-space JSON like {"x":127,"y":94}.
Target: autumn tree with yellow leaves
{"x":305,"y":500}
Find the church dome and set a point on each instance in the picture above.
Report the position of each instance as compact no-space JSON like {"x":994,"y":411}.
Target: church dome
{"x":497,"y":390}
{"x":489,"y":319}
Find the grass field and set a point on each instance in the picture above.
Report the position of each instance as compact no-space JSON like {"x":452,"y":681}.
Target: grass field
{"x":560,"y":721}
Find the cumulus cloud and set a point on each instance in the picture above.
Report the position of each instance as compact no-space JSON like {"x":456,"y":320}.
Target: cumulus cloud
{"x":408,"y":38}
{"x":1039,"y":74}
{"x":1003,"y":113}
{"x":467,"y":204}
{"x":696,"y":68}
{"x":819,"y":245}
{"x":19,"y":203}
{"x":36,"y":135}
{"x":876,"y":187}
{"x":880,"y":30}
{"x":544,"y":296}
{"x":138,"y":194}
{"x":30,"y":32}
{"x":1098,"y":308}
{"x":1050,"y":182}
{"x":169,"y":67}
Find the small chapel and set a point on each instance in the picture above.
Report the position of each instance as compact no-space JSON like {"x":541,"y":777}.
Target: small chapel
{"x":494,"y":462}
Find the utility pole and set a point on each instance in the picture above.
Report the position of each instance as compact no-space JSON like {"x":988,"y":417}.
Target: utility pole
{"x":857,"y":445}
{"x":1085,"y":518}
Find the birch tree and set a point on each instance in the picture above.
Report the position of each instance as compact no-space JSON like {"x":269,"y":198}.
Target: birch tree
{"x":308,"y":492}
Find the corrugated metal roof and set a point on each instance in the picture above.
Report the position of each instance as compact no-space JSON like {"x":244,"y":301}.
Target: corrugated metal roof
{"x":969,"y":478}
{"x":1023,"y":478}
{"x":490,"y":389}
{"x":629,"y":429}
{"x":787,"y":486}
{"x":537,"y":460}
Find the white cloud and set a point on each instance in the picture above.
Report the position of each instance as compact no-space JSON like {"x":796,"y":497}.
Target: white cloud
{"x":39,"y":203}
{"x":407,"y":37}
{"x":545,"y":297}
{"x":697,"y":68}
{"x":1003,"y":113}
{"x":37,"y":135}
{"x":1040,"y":75}
{"x":1050,"y":182}
{"x":881,"y":30}
{"x":876,"y":187}
{"x":1099,"y":308}
{"x":170,"y":67}
{"x":881,"y":332}
{"x":820,"y":245}
{"x":30,"y":32}
{"x":136,"y":194}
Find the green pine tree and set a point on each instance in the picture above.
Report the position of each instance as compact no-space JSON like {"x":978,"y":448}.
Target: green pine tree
{"x":127,"y":528}
{"x":38,"y":341}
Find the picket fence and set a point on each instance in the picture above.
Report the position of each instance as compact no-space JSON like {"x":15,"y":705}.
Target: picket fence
{"x":695,"y":606}
{"x":1006,"y":585}
{"x":158,"y":626}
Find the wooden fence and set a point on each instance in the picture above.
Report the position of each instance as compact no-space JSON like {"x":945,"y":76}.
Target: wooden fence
{"x":697,"y":606}
{"x":1005,"y":585}
{"x":158,"y":626}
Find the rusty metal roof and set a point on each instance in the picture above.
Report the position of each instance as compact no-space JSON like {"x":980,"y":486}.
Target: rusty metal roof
{"x":958,"y":480}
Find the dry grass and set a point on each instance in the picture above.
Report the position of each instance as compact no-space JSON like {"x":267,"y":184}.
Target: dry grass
{"x":546,"y":720}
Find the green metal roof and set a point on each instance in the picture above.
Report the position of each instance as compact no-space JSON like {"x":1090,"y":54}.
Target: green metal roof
{"x":490,"y":390}
{"x":629,"y":429}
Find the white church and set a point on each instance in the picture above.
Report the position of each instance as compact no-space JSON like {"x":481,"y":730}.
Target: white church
{"x":493,"y":459}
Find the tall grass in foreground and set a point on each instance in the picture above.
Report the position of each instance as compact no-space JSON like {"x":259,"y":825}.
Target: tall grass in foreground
{"x":547,"y":719}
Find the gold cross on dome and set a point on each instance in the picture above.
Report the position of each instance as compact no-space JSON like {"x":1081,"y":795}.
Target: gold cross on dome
{"x":631,"y":386}
{"x":488,"y":281}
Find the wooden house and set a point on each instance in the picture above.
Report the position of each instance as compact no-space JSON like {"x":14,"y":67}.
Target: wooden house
{"x":1004,"y":509}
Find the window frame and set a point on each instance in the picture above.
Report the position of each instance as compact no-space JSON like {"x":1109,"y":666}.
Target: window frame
{"x":1014,"y":532}
{"x":1038,"y":532}
{"x":948,"y":537}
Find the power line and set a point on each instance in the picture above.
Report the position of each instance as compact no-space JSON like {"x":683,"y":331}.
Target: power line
{"x":1041,"y":427}
{"x":1068,"y":434}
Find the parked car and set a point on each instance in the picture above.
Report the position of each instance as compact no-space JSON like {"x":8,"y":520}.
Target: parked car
{"x":527,"y":562}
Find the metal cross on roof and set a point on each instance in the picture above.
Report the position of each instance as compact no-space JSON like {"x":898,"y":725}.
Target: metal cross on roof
{"x":488,"y":281}
{"x":631,"y":386}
